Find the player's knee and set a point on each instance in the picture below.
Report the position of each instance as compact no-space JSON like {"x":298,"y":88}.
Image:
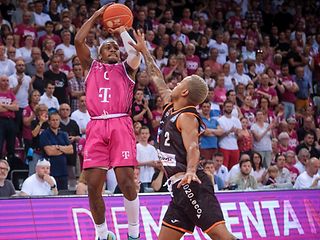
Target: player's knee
{"x":128,"y":189}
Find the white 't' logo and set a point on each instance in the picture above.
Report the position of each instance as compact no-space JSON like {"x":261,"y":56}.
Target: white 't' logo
{"x":104,"y":93}
{"x":125,"y":154}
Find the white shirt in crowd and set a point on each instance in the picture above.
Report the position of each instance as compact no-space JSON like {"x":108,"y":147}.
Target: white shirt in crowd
{"x":145,"y":154}
{"x":243,"y":78}
{"x":7,"y":67}
{"x":222,"y":172}
{"x":23,"y":92}
{"x":233,"y":69}
{"x":229,"y":142}
{"x":305,"y":181}
{"x":223,"y":52}
{"x":68,"y":51}
{"x":25,"y":54}
{"x":51,"y":102}
{"x":34,"y":186}
{"x":41,"y":19}
{"x":301,"y":168}
{"x":265,"y":143}
{"x":81,"y":119}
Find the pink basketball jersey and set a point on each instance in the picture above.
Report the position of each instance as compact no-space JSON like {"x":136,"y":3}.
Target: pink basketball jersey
{"x":109,"y":89}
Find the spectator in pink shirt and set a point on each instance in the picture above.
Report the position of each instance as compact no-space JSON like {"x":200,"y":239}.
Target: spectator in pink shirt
{"x":192,"y":60}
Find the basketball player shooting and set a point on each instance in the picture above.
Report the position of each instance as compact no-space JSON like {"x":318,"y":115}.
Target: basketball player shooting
{"x":110,"y":138}
{"x":193,"y":202}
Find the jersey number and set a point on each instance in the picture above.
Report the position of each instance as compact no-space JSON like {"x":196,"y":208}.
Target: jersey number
{"x":167,"y":139}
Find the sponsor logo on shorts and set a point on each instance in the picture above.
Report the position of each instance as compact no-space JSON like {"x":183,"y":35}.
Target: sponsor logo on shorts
{"x":175,"y":221}
{"x":193,"y":201}
{"x":167,"y":159}
{"x":125,"y":154}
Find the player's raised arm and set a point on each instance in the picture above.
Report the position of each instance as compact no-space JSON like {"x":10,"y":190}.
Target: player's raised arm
{"x":152,"y":68}
{"x":82,"y":49}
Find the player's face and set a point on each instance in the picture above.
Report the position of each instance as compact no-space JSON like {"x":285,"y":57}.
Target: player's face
{"x":179,"y":89}
{"x":110,"y":52}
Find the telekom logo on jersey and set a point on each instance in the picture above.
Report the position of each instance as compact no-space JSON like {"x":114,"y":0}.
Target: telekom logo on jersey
{"x":104,"y":93}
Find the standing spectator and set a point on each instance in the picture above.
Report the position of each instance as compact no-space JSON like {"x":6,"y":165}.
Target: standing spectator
{"x":47,"y":98}
{"x":232,"y":61}
{"x":47,"y":51}
{"x":213,"y":63}
{"x":178,"y":35}
{"x":160,"y":58}
{"x":140,"y":109}
{"x":283,"y":146}
{"x":59,"y":79}
{"x":8,"y":107}
{"x":209,"y":139}
{"x":56,"y":146}
{"x":19,"y":83}
{"x":229,"y":81}
{"x":283,"y":180}
{"x":40,"y":18}
{"x":77,"y":86}
{"x":219,"y":90}
{"x":309,"y":144}
{"x":141,"y":21}
{"x":245,"y":137}
{"x":40,"y":183}
{"x":222,"y":48}
{"x":67,"y":26}
{"x":49,"y":35}
{"x":156,"y":117}
{"x":262,"y":138}
{"x":307,"y":127}
{"x":228,"y":141}
{"x":23,"y":29}
{"x":192,"y":60}
{"x":37,"y":127}
{"x":17,"y":15}
{"x":239,"y":76}
{"x":147,"y":157}
{"x":266,"y":91}
{"x":7,"y":66}
{"x":244,"y":180}
{"x":37,"y":80}
{"x":288,"y":93}
{"x":81,"y":115}
{"x":28,"y":115}
{"x":72,"y":129}
{"x":202,"y":49}
{"x":303,"y":93}
{"x":6,"y":186}
{"x":310,"y":178}
{"x":31,"y":66}
{"x":247,"y":110}
{"x":69,"y":49}
{"x":25,"y":51}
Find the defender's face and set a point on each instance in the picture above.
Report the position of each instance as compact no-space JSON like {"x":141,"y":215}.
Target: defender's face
{"x":176,"y":92}
{"x":110,"y":52}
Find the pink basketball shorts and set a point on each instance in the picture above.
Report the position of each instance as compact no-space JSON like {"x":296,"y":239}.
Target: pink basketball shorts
{"x":110,"y":143}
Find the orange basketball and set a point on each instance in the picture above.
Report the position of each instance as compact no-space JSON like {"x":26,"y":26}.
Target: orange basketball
{"x":117,"y":15}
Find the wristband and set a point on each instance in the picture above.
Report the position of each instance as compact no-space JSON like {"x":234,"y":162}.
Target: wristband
{"x":53,"y":187}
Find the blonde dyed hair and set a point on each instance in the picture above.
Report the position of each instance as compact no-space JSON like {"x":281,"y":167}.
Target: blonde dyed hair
{"x":198,"y":90}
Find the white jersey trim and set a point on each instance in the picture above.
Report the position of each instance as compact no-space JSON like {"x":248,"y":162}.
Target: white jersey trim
{"x":85,"y":80}
{"x":125,"y":70}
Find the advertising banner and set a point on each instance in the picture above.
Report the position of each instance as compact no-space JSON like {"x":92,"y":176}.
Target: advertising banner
{"x":268,"y":215}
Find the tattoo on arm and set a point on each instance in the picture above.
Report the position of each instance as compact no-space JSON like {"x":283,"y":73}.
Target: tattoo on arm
{"x":156,"y":76}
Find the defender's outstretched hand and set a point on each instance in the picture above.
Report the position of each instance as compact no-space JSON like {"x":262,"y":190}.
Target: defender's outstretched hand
{"x":140,"y":46}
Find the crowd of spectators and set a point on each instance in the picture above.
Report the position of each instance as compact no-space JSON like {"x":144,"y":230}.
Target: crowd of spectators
{"x":260,"y":59}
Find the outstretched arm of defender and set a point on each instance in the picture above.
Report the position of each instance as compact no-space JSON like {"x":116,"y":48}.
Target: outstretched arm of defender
{"x":152,"y":68}
{"x":82,"y":49}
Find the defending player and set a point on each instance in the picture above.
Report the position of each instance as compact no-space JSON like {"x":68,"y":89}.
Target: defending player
{"x":110,"y":138}
{"x":193,"y":202}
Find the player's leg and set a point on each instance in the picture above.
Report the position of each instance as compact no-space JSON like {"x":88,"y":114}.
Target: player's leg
{"x":95,"y":179}
{"x":220,"y":232}
{"x":126,"y":183}
{"x":169,"y":233}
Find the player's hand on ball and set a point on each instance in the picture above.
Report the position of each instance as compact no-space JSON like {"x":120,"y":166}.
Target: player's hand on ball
{"x":101,"y":10}
{"x":187,"y":178}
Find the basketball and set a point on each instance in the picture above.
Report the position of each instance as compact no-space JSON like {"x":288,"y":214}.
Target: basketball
{"x":117,"y":15}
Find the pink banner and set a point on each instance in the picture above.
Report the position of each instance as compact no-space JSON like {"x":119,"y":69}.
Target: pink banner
{"x":249,"y":215}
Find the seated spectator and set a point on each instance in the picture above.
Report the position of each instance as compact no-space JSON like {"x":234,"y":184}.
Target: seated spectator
{"x":82,"y":186}
{"x":259,"y":171}
{"x":273,"y":173}
{"x":140,"y":109}
{"x":283,"y":142}
{"x":147,"y":157}
{"x":56,"y":145}
{"x":303,"y":157}
{"x":159,"y":180}
{"x":208,"y":168}
{"x":40,"y":183}
{"x":139,"y":186}
{"x":309,"y":178}
{"x":240,"y":76}
{"x":290,"y":161}
{"x":220,"y":169}
{"x":309,"y":144}
{"x":244,"y":180}
{"x":6,"y":186}
{"x":283,"y":180}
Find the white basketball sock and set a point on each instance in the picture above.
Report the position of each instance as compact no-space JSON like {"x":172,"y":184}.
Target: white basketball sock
{"x":132,"y":209}
{"x":101,"y":230}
